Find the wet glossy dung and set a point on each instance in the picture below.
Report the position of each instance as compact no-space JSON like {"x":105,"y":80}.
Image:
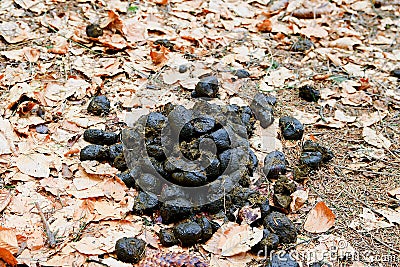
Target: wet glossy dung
{"x":130,"y":250}
{"x":99,"y":105}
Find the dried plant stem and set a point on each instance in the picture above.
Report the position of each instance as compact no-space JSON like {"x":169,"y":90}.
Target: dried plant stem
{"x":50,"y":236}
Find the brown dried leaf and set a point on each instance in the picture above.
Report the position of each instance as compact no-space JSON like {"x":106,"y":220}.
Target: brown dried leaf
{"x":232,"y":239}
{"x":265,"y":26}
{"x":14,"y":32}
{"x":60,"y":46}
{"x":34,"y":164}
{"x":320,"y":219}
{"x":299,"y":197}
{"x":159,"y":57}
{"x":7,"y":257}
{"x":375,"y":139}
{"x":5,"y":198}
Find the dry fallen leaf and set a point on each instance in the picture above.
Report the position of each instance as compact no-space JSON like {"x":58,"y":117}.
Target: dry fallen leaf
{"x":299,"y":197}
{"x":5,"y":198}
{"x":232,"y":239}
{"x":368,"y":222}
{"x":395,"y":192}
{"x":375,"y":139}
{"x":391,"y":215}
{"x":265,"y":26}
{"x":7,"y":257}
{"x":34,"y":164}
{"x":320,"y":219}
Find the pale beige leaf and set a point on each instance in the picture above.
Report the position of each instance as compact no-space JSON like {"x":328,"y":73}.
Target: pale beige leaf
{"x":315,"y":31}
{"x":5,"y":198}
{"x":320,"y":219}
{"x":368,"y":222}
{"x":345,"y":43}
{"x":8,"y":240}
{"x":94,"y":167}
{"x":305,"y":117}
{"x":375,"y":139}
{"x":34,"y":164}
{"x":341,"y":116}
{"x":241,"y":239}
{"x":368,"y":119}
{"x":394,"y":192}
{"x":391,"y":215}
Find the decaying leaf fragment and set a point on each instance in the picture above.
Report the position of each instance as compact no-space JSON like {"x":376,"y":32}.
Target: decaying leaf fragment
{"x":34,"y":164}
{"x":232,"y":239}
{"x":320,"y":219}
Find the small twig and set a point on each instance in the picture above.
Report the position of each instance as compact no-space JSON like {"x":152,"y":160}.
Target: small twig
{"x":367,"y":171}
{"x":321,"y":114}
{"x":50,"y":236}
{"x":384,"y":244}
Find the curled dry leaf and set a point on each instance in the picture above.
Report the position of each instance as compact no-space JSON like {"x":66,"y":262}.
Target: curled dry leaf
{"x":5,"y":198}
{"x":232,"y":239}
{"x":320,"y":219}
{"x":94,"y":167}
{"x":311,"y":13}
{"x":8,"y":240}
{"x":395,"y":192}
{"x":34,"y":164}
{"x":60,"y":46}
{"x":265,"y":26}
{"x":7,"y":257}
{"x":14,"y":32}
{"x":368,"y":221}
{"x":299,"y":197}
{"x":159,"y":57}
{"x":391,"y":215}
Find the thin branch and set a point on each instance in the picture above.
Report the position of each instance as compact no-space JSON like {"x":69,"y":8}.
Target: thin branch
{"x":50,"y":236}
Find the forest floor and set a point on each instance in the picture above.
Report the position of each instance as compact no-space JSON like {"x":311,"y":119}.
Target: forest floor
{"x":50,"y":69}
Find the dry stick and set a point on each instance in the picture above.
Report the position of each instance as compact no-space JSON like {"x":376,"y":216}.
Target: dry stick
{"x":50,"y":236}
{"x":367,"y":171}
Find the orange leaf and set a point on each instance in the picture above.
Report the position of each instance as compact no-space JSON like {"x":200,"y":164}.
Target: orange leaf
{"x":159,"y":57}
{"x":320,"y":219}
{"x":265,"y":26}
{"x":6,"y":256}
{"x":71,"y":152}
{"x":162,"y":2}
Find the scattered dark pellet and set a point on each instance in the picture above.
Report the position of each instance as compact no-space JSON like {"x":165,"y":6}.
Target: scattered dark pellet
{"x":282,"y":259}
{"x":145,"y":203}
{"x":261,"y":106}
{"x":308,"y":93}
{"x":99,"y":105}
{"x":206,"y":87}
{"x":100,"y":137}
{"x":302,"y":45}
{"x":282,"y":226}
{"x":167,"y":237}
{"x":188,"y":233}
{"x":291,"y":128}
{"x":182,"y":68}
{"x":94,"y":30}
{"x":130,"y":250}
{"x":274,"y":164}
{"x":396,"y":73}
{"x":94,"y":152}
{"x":241,"y":73}
{"x":311,"y":159}
{"x":42,"y":129}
